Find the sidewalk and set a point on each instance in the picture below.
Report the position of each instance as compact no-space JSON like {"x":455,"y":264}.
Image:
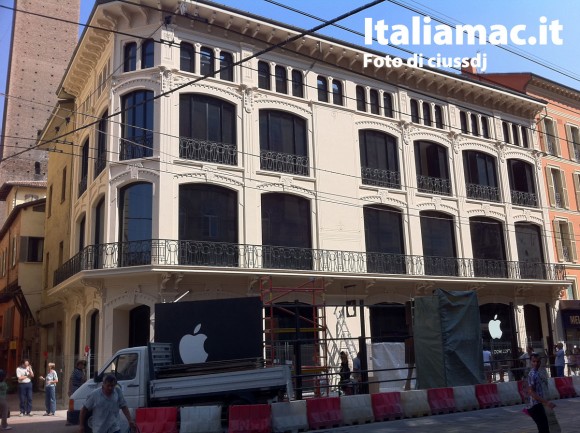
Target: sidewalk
{"x":37,"y":404}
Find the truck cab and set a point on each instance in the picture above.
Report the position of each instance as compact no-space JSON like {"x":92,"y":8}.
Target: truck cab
{"x":130,"y":367}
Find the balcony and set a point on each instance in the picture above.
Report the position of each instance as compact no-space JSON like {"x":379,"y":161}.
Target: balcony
{"x":208,"y":151}
{"x":482,"y":192}
{"x":522,"y":198}
{"x":137,"y":147}
{"x":434,"y":185}
{"x":284,"y":162}
{"x":162,"y":252}
{"x":379,"y":177}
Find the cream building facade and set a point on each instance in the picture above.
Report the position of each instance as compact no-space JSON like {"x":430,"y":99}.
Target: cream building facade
{"x":211,"y":167}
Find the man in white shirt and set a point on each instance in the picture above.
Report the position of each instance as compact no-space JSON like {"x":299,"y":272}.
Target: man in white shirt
{"x":25,"y":374}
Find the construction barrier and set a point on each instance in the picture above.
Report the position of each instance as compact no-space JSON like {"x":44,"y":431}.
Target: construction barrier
{"x":252,"y":418}
{"x":289,"y":416}
{"x":465,"y":398}
{"x":156,"y":419}
{"x":415,"y":403}
{"x":387,"y":406}
{"x":356,"y":409}
{"x":200,"y":419}
{"x":565,"y":387}
{"x":441,"y":400}
{"x":323,"y":412}
{"x":487,"y":395}
{"x":509,"y":393}
{"x":553,"y":393}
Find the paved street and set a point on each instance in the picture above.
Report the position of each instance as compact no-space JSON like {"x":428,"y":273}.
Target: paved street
{"x":501,"y":420}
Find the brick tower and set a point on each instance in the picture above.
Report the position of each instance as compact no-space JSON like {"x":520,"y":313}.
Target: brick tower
{"x":40,"y":52}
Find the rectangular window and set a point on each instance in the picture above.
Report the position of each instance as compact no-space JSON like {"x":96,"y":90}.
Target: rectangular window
{"x":337,"y":92}
{"x":148,"y":54}
{"x":49,"y":212}
{"x":426,"y":113}
{"x":206,"y":61}
{"x":361,"y":103}
{"x":31,"y":249}
{"x":129,"y":58}
{"x":438,"y":117}
{"x":60,"y":253}
{"x":13,"y":261}
{"x":46,"y":270}
{"x":565,"y":240}
{"x":63,"y":186}
{"x":374,"y":101}
{"x":414,"y":111}
{"x":484,"y":127}
{"x":463,"y":120}
{"x":388,"y":104}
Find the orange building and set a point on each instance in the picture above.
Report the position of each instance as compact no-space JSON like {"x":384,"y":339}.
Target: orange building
{"x":558,"y":131}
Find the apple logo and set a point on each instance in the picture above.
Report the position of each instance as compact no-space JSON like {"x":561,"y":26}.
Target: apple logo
{"x":191,"y":347}
{"x":494,"y":327}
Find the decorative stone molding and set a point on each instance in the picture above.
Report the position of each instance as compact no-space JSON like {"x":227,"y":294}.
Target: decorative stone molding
{"x":261,"y":98}
{"x":280,"y":186}
{"x":98,"y":284}
{"x":385,"y":199}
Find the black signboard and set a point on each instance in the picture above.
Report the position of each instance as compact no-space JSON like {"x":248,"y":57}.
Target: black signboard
{"x":570,"y":318}
{"x":213,"y":330}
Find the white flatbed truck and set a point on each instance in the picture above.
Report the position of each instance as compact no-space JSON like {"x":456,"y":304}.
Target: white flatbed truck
{"x":149,"y":378}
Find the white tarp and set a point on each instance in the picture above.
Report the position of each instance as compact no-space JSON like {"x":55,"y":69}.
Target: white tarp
{"x":386,"y":356}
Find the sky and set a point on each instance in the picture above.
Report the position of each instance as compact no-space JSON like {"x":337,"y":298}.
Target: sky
{"x":557,"y":59}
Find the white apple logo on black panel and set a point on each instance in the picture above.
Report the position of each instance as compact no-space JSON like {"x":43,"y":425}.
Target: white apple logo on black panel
{"x":191,"y":347}
{"x":495,"y":328}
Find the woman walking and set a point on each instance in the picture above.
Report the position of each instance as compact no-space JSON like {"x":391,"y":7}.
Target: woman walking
{"x":50,"y":382}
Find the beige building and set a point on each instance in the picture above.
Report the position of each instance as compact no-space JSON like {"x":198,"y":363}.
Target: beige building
{"x":21,"y":249}
{"x":213,"y":167}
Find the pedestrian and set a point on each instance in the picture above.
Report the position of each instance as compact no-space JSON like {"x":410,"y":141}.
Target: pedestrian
{"x":526,"y":359}
{"x":559,"y":362}
{"x":25,"y":374}
{"x":3,"y":402}
{"x":77,"y":377}
{"x":487,"y":364}
{"x":105,"y":404}
{"x":357,"y":372}
{"x":50,"y":382}
{"x":344,"y":374}
{"x":536,"y":391}
{"x":571,"y":353}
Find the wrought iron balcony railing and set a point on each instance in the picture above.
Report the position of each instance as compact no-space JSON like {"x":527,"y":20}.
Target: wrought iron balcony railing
{"x":208,"y":151}
{"x":284,"y":162}
{"x":140,"y":146}
{"x":521,"y":198}
{"x":160,"y":252}
{"x":483,"y":192}
{"x":434,"y":185}
{"x":379,"y":177}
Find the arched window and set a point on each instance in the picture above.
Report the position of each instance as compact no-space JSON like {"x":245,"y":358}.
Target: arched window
{"x":530,"y":251}
{"x":36,"y":167}
{"x":130,"y":57}
{"x":297,"y":83}
{"x":208,"y":214}
{"x":135,"y":224}
{"x":426,"y":113}
{"x":481,"y":176}
{"x":207,"y":61}
{"x":101,"y":156}
{"x":463,"y":120}
{"x":281,"y":79}
{"x":361,"y":102}
{"x":186,"y":57}
{"x":522,"y":183}
{"x":84,"y":167}
{"x":137,"y":127}
{"x":286,"y":232}
{"x":379,"y":159}
{"x":484,"y":127}
{"x":474,"y":125}
{"x":81,"y":237}
{"x":384,"y":239}
{"x":263,"y":75}
{"x":487,"y":240}
{"x":148,"y":54}
{"x":337,"y":97}
{"x":506,"y":132}
{"x":374,"y":101}
{"x":414,"y":111}
{"x":438,"y":236}
{"x":207,"y":129}
{"x":388,"y":104}
{"x":283,"y":145}
{"x":432,"y":166}
{"x":322,"y":86}
{"x":226,"y":66}
{"x":438,"y":117}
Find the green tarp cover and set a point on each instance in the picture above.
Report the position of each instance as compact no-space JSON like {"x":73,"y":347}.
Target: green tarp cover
{"x":447,"y":337}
